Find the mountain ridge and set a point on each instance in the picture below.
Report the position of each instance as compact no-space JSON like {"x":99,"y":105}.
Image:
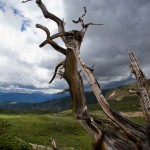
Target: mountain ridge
{"x":63,"y":103}
{"x":34,"y":97}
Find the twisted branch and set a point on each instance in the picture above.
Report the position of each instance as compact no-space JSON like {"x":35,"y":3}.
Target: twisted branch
{"x":45,"y":29}
{"x":61,"y":34}
{"x":49,"y":40}
{"x":80,"y":20}
{"x":47,"y":14}
{"x":126,"y":125}
{"x":26,"y":1}
{"x":58,"y":65}
{"x":142,"y":86}
{"x":84,"y":26}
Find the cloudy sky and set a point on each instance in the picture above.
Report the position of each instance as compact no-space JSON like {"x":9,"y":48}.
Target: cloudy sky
{"x":26,"y":67}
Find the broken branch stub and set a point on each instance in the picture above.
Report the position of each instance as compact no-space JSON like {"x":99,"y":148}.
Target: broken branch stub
{"x":142,"y":86}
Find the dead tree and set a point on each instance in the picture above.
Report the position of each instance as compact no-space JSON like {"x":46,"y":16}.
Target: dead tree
{"x":118,"y":133}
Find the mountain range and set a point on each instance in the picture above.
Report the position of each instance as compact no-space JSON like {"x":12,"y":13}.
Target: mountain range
{"x":35,"y":97}
{"x":57,"y":102}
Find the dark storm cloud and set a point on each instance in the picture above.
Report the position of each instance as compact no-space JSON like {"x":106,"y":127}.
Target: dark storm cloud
{"x":126,"y":27}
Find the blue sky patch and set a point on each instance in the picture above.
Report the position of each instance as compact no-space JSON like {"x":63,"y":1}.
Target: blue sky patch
{"x":15,"y":11}
{"x":24,"y":25}
{"x":2,"y":6}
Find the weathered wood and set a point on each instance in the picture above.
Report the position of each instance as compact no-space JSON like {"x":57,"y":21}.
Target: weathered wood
{"x":60,"y":64}
{"x":142,"y":86}
{"x":117,"y":134}
{"x":49,"y":40}
{"x":53,"y":143}
{"x":47,"y":14}
{"x":133,"y":131}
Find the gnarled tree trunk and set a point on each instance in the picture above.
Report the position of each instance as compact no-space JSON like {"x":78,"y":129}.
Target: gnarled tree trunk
{"x":117,"y":134}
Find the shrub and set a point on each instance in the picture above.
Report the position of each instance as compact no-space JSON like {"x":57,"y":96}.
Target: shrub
{"x":4,"y":125}
{"x":8,"y":142}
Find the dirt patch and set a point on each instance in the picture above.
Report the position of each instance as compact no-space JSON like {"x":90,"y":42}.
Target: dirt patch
{"x":39,"y":147}
{"x":133,"y":114}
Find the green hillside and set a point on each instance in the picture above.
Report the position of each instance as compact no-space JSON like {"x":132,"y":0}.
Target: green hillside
{"x":123,"y":91}
{"x":122,"y":96}
{"x":38,"y":129}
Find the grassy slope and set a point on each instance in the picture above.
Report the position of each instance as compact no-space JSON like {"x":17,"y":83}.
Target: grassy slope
{"x":64,"y":128}
{"x":123,"y":91}
{"x":39,"y":128}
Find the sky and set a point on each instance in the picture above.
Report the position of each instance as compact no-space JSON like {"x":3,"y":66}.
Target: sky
{"x":24,"y":67}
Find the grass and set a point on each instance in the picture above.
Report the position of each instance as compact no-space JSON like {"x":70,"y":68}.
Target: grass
{"x":63,"y":127}
{"x":139,"y":120}
{"x":39,"y":128}
{"x":127,"y":104}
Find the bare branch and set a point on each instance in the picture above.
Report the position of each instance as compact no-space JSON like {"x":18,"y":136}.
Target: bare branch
{"x":80,"y":20}
{"x":57,"y":47}
{"x":43,"y":44}
{"x":84,"y":12}
{"x":26,"y":1}
{"x":95,"y":126}
{"x":61,"y":74}
{"x":79,"y":71}
{"x":142,"y":85}
{"x":84,"y":26}
{"x":58,"y":65}
{"x":47,"y":14}
{"x":127,"y":126}
{"x":52,"y":43}
{"x":97,"y":24}
{"x":91,"y":68}
{"x":61,"y":34}
{"x":45,"y":29}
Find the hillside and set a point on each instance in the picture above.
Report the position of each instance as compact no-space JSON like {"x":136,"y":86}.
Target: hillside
{"x":120,"y":100}
{"x":123,"y":91}
{"x":55,"y":105}
{"x":58,"y":125}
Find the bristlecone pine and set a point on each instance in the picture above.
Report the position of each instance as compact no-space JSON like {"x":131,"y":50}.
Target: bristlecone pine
{"x":118,"y":133}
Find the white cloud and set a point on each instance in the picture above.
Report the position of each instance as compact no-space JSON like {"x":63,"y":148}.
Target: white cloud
{"x":21,"y":59}
{"x":22,"y":62}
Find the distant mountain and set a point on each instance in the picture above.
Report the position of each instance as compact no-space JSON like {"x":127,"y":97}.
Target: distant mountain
{"x":57,"y":103}
{"x":34,"y":97}
{"x":14,"y":97}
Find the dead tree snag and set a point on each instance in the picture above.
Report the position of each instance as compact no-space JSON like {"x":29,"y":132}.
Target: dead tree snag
{"x":118,"y":133}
